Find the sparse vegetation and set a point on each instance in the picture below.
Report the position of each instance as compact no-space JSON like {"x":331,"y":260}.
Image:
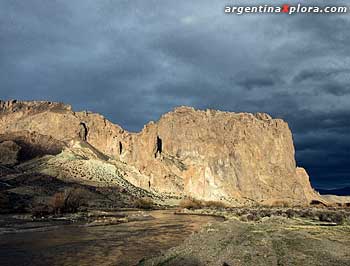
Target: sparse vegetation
{"x":58,"y":202}
{"x":76,"y":199}
{"x":332,"y":217}
{"x":272,"y":242}
{"x":291,"y":213}
{"x":144,"y":203}
{"x":191,"y":203}
{"x":279,"y":203}
{"x":40,"y":210}
{"x":67,"y":201}
{"x":215,"y":204}
{"x":253,"y":214}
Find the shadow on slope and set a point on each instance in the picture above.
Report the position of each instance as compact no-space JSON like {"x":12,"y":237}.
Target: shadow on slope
{"x":43,"y":172}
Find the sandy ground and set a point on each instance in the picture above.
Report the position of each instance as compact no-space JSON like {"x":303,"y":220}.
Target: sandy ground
{"x":270,"y":241}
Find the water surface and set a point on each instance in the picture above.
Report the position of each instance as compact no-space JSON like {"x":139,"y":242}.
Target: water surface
{"x":122,"y":244}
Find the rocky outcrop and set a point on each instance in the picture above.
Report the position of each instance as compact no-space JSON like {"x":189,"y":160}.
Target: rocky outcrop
{"x":215,"y":155}
{"x":81,"y":163}
{"x":32,"y":144}
{"x":9,"y":153}
{"x":60,"y":122}
{"x":79,"y":170}
{"x":211,"y":155}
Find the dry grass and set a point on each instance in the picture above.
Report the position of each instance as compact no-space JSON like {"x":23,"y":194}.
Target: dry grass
{"x":75,"y":198}
{"x":67,"y":201}
{"x":215,"y":204}
{"x":191,"y":203}
{"x":144,"y":203}
{"x":279,"y":203}
{"x":58,"y":202}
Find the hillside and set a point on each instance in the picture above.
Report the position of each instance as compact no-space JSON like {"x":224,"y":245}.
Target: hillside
{"x":238,"y":158}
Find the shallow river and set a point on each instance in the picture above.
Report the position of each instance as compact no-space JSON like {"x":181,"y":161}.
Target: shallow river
{"x":122,"y":244}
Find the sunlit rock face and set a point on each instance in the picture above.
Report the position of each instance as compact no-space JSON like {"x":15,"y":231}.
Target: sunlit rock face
{"x":215,"y":155}
{"x":59,"y":121}
{"x":212,"y":155}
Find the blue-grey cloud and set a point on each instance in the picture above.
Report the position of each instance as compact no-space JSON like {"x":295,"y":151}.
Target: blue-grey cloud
{"x":134,"y":60}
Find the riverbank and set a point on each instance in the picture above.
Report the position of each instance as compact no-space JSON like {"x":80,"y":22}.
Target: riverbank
{"x":270,"y":240}
{"x":210,"y":236}
{"x":104,"y":238}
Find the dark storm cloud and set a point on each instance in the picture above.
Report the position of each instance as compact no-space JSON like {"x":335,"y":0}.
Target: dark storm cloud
{"x":134,"y":60}
{"x":315,"y":75}
{"x":250,"y":83}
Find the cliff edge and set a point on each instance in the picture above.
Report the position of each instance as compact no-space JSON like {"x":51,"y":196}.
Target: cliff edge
{"x":240,"y":158}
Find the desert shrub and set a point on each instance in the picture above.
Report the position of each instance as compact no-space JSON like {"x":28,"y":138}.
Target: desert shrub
{"x":324,"y":217}
{"x":307,"y":213}
{"x":75,"y":199}
{"x":291,"y":213}
{"x":278,"y":212}
{"x":280,"y":203}
{"x":253,"y":216}
{"x":332,"y":217}
{"x":58,"y":202}
{"x":312,"y":214}
{"x":41,"y":210}
{"x":68,"y":201}
{"x":144,"y":203}
{"x":264,"y":213}
{"x":242,"y":211}
{"x":191,"y":203}
{"x":215,"y":204}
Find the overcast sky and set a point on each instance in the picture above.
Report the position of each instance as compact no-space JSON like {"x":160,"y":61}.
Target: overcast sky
{"x":134,"y":60}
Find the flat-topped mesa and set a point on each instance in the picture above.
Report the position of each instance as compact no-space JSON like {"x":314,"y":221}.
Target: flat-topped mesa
{"x":215,"y":155}
{"x":210,"y":155}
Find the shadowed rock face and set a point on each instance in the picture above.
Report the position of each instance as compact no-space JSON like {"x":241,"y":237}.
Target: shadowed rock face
{"x":210,"y":155}
{"x":9,"y":153}
{"x":30,"y":145}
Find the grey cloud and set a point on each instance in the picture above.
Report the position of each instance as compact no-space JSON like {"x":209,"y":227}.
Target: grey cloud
{"x":134,"y":60}
{"x":336,"y":89}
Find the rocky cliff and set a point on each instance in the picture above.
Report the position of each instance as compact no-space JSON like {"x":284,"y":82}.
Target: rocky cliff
{"x":212,"y":155}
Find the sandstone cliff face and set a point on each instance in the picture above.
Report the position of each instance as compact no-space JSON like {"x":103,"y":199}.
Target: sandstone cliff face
{"x":59,"y":121}
{"x":210,"y":155}
{"x":215,"y":155}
